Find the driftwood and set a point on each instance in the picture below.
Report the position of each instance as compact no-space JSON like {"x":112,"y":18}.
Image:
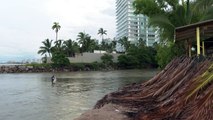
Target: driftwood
{"x":182,"y":91}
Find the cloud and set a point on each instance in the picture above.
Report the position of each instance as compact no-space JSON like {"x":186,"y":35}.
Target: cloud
{"x":82,"y":15}
{"x":11,"y":53}
{"x":109,"y":11}
{"x":26,"y":23}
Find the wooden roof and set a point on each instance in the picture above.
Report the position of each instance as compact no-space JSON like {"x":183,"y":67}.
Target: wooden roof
{"x":189,"y":31}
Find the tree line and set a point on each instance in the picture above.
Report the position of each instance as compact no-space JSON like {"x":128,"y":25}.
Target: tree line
{"x":59,"y":49}
{"x":137,"y":55}
{"x":83,"y":43}
{"x":163,"y":14}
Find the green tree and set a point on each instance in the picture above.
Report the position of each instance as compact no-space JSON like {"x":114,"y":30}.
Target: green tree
{"x":113,"y":44}
{"x":70,"y":48}
{"x":56,"y":27}
{"x":86,"y":42}
{"x":94,"y":45}
{"x":145,"y":55}
{"x":103,"y":45}
{"x":169,"y":14}
{"x":60,"y":60}
{"x":167,"y":52}
{"x":110,"y":47}
{"x":102,"y":32}
{"x":127,"y":61}
{"x":124,"y":43}
{"x":44,"y":59}
{"x":46,"y":48}
{"x":82,"y":41}
{"x":58,"y":46}
{"x":107,"y":59}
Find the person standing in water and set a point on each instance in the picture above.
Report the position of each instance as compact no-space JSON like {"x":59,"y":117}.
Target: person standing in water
{"x":53,"y":79}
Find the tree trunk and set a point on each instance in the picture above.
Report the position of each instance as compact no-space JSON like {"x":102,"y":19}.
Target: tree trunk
{"x":49,"y":55}
{"x":56,"y":37}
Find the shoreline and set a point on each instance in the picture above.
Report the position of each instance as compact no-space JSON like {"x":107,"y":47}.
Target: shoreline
{"x":42,"y":68}
{"x":33,"y":69}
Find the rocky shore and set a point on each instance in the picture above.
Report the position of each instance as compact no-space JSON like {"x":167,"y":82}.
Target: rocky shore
{"x":23,"y":69}
{"x":38,"y":69}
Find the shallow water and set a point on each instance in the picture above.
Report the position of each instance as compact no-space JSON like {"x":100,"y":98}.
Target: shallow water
{"x":31,"y":96}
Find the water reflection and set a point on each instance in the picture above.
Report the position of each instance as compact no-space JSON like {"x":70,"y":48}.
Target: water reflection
{"x":32,"y":96}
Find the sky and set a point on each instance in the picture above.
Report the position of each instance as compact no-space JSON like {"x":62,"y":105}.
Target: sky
{"x":26,"y":23}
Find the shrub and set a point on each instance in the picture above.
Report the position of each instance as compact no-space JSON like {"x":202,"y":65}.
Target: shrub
{"x":60,"y":60}
{"x":127,"y":61}
{"x":96,"y":66}
{"x":165,"y":53}
{"x":78,"y":66}
{"x":107,"y":59}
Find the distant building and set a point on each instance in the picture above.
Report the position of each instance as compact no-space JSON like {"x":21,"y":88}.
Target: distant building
{"x":133,"y":26}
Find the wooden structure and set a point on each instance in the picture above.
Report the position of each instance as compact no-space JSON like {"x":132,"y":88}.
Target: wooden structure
{"x":200,"y":33}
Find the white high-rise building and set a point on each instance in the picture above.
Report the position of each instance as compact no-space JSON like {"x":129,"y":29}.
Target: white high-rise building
{"x":133,"y":26}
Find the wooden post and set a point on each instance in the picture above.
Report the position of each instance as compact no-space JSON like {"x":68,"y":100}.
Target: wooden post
{"x":190,"y":47}
{"x":187,"y":47}
{"x":198,"y":40}
{"x":190,"y":51}
{"x":203,"y":46}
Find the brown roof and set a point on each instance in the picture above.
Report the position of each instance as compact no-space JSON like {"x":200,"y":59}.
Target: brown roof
{"x":189,"y":31}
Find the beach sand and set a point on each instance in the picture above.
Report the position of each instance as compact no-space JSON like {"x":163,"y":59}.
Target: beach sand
{"x":107,"y":112}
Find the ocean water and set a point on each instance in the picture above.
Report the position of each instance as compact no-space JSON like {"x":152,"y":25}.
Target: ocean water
{"x":31,"y":96}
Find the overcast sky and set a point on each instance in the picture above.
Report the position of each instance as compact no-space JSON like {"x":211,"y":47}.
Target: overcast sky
{"x":26,"y":23}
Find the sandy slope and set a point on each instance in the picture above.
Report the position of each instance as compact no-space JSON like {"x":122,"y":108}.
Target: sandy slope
{"x":107,"y":112}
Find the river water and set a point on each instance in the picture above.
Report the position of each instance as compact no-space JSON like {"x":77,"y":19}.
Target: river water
{"x":31,"y":96}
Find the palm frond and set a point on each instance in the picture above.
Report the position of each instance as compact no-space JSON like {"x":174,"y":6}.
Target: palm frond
{"x":161,"y":21}
{"x":201,"y":82}
{"x":203,"y":108}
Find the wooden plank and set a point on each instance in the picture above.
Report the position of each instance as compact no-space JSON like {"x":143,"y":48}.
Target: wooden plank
{"x":198,"y":40}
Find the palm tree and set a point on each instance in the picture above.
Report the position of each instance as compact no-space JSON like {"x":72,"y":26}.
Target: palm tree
{"x":85,"y":41}
{"x":180,"y":13}
{"x":102,"y":32}
{"x":112,"y":45}
{"x":81,"y":37}
{"x":81,"y":40}
{"x":177,"y":14}
{"x":47,"y":48}
{"x":93,"y":45}
{"x":124,"y":43}
{"x":70,"y":47}
{"x":56,"y":27}
{"x":58,"y":46}
{"x":89,"y":44}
